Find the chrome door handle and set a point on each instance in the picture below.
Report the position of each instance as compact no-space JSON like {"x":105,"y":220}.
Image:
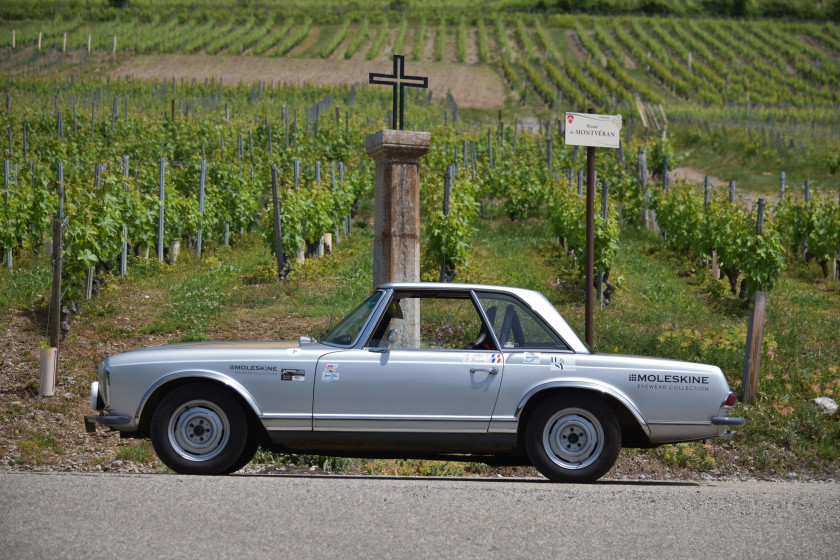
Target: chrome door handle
{"x":491,"y":370}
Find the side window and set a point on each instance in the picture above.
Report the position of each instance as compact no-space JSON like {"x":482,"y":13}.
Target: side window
{"x":451,"y":323}
{"x":516,"y":326}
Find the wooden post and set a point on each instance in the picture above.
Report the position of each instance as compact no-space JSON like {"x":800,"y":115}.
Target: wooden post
{"x":490,"y":147}
{"x":49,"y":356}
{"x":161,"y":201}
{"x":447,"y":190}
{"x":605,"y":190}
{"x":752,"y":355}
{"x":548,"y":153}
{"x":472,"y":158}
{"x":6,"y":201}
{"x":278,"y":234}
{"x":781,"y":186}
{"x":590,"y":244}
{"x":201,"y":186}
{"x":124,"y":252}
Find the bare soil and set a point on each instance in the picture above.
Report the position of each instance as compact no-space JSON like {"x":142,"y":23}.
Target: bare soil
{"x":574,"y":44}
{"x":692,"y":175}
{"x":474,"y":86}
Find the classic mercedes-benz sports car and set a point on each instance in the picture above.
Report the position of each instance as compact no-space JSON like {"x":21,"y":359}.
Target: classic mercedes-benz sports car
{"x":422,"y":370}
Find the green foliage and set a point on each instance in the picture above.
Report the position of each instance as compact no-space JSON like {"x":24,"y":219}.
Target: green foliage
{"x":728,"y":229}
{"x":359,"y":37}
{"x":567,"y":214}
{"x":336,"y":39}
{"x":376,"y":46}
{"x":449,"y":237}
{"x":657,"y":153}
{"x":814,"y":227}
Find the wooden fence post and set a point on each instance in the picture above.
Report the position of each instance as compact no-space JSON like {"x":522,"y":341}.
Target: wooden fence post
{"x":161,"y":202}
{"x":447,"y":190}
{"x":278,"y":235}
{"x":752,"y":355}
{"x":49,"y":356}
{"x":755,"y":329}
{"x":201,"y":186}
{"x":124,"y":252}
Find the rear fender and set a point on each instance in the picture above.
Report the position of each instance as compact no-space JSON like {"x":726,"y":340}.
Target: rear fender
{"x":585,"y":385}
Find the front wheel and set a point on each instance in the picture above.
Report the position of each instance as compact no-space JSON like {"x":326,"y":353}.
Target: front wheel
{"x":573,"y":438}
{"x":199,"y":429}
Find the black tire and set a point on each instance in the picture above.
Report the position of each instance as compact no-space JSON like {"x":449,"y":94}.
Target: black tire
{"x":248,"y":452}
{"x":573,"y":437}
{"x":199,"y":429}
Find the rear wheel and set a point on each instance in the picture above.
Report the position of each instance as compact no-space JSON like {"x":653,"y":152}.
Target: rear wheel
{"x":200,"y":429}
{"x":573,"y":438}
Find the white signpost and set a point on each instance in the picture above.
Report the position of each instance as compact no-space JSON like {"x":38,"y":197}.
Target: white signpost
{"x":592,"y":131}
{"x":597,"y":131}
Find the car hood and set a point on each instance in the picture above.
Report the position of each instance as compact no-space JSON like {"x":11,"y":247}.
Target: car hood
{"x":217,"y":351}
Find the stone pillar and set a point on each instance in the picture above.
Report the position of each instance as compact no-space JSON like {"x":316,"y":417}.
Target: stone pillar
{"x":396,"y":249}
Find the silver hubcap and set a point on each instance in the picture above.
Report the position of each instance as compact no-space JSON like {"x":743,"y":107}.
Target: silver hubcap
{"x":573,"y":438}
{"x":198,"y":430}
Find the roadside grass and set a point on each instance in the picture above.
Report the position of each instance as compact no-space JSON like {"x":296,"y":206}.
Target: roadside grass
{"x":139,"y":451}
{"x":38,"y":448}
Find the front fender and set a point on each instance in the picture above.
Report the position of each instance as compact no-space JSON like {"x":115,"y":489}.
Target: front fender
{"x":585,"y":385}
{"x":197,"y":375}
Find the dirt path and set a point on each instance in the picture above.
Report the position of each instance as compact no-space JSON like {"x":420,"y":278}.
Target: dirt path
{"x":471,"y":86}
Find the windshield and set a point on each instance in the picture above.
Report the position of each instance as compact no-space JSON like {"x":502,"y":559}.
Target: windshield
{"x":347,"y":331}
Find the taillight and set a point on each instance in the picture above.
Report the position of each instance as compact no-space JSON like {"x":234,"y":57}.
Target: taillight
{"x":731,"y":399}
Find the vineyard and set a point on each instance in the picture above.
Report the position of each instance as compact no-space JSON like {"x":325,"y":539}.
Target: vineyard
{"x":185,"y":171}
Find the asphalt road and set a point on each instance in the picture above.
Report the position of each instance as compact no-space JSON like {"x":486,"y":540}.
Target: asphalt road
{"x":242,"y":516}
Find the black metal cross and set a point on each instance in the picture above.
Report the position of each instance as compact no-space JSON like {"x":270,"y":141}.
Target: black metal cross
{"x":398,"y":78}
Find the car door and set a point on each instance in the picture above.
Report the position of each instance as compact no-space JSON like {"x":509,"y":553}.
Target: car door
{"x":446,"y":383}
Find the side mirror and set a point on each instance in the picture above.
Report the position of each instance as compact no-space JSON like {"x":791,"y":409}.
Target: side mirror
{"x":391,"y":338}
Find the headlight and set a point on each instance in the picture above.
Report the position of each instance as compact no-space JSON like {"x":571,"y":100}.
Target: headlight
{"x":101,"y":386}
{"x":95,"y":401}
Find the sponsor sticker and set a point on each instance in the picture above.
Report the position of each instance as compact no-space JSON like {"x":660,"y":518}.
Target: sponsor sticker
{"x":330,"y":373}
{"x":532,"y":358}
{"x":254,"y":369}
{"x":293,"y":375}
{"x":562,"y":363}
{"x":672,"y":382}
{"x":483,"y":358}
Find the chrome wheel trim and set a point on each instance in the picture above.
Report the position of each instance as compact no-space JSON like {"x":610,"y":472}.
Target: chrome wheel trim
{"x":198,"y":430}
{"x":573,"y":438}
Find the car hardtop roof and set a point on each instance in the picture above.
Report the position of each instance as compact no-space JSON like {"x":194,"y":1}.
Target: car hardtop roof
{"x":524,"y":294}
{"x":535,"y":300}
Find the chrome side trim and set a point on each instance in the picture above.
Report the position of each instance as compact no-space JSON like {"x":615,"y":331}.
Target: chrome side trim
{"x":377,"y":423}
{"x":699,"y":423}
{"x":287,"y":422}
{"x":198,"y":375}
{"x":590,"y":386}
{"x":504,"y":426}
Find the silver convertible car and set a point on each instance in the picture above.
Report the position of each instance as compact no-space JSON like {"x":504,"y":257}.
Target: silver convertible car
{"x":419,"y":370}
